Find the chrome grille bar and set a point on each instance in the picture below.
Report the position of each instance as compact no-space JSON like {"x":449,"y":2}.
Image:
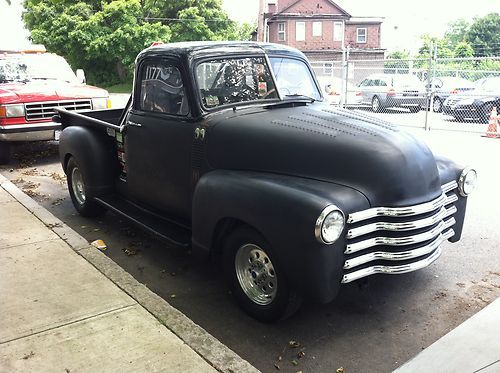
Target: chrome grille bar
{"x":400,"y":255}
{"x":406,"y":226}
{"x":400,"y":241}
{"x":405,"y":211}
{"x":45,"y":110}
{"x":390,"y":269}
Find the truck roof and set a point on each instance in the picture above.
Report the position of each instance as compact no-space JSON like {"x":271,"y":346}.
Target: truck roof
{"x":195,"y":49}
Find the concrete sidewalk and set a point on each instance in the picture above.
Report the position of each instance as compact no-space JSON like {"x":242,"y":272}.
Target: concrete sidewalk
{"x":66,"y":307}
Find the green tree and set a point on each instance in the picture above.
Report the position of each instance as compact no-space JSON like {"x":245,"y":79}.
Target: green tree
{"x":102,"y":38}
{"x":463,"y":49}
{"x":457,"y":32}
{"x":484,"y":35}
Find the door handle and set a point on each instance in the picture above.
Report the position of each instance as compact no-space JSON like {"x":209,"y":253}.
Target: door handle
{"x":134,"y":124}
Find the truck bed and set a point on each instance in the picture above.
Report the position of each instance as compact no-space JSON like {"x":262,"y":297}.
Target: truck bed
{"x":108,"y":118}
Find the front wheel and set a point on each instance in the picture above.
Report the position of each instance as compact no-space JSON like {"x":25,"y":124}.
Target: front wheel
{"x":376,"y":106}
{"x":78,"y":191}
{"x":437,"y":105}
{"x":5,"y":152}
{"x":256,"y":278}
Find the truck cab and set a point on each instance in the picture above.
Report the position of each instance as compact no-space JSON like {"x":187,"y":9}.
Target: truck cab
{"x":228,"y":149}
{"x":32,"y":84}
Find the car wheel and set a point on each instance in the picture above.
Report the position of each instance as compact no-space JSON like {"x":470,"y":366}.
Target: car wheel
{"x":486,"y":110}
{"x":78,"y":191}
{"x":376,"y":106}
{"x":5,"y":152}
{"x":256,"y":278}
{"x":437,"y":105}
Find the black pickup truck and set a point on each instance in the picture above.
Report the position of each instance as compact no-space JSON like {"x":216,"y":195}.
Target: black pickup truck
{"x":227,"y":148}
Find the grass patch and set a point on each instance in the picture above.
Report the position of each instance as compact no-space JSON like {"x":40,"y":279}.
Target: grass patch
{"x":120,"y":88}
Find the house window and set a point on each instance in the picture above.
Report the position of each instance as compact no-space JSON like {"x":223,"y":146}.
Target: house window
{"x":327,"y":68}
{"x":338,"y":31}
{"x":361,"y":35}
{"x":317,"y":28}
{"x":300,"y":31}
{"x":281,"y":31}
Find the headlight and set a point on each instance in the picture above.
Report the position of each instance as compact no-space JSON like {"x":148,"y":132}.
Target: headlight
{"x":329,"y":225}
{"x":467,"y":181}
{"x":101,"y":103}
{"x":11,"y":111}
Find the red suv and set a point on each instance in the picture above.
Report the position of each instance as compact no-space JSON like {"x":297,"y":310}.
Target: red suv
{"x":32,"y":84}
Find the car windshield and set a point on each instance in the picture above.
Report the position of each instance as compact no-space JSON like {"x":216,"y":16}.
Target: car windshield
{"x":294,"y":78}
{"x":26,"y":67}
{"x":234,"y":80}
{"x":490,"y":85}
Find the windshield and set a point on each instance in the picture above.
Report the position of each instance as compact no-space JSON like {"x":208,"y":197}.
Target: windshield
{"x":234,"y":80}
{"x":490,"y":85}
{"x":293,"y":78}
{"x":25,"y":67}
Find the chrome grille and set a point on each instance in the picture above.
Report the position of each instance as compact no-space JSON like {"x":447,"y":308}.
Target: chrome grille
{"x":45,"y":110}
{"x":398,"y":239}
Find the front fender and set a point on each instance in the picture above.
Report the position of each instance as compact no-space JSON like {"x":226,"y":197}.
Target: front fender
{"x":284,"y":209}
{"x":96,"y":155}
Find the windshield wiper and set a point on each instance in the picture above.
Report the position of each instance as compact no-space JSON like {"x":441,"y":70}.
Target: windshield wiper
{"x":298,"y":96}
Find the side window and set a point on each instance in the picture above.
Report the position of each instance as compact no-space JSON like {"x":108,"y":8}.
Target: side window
{"x":364,"y":83}
{"x":161,"y":89}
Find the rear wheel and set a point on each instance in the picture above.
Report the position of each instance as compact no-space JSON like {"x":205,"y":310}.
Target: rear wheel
{"x":256,"y":278}
{"x":437,"y":105}
{"x":78,"y":190}
{"x":486,"y":110}
{"x":376,"y":106}
{"x":5,"y":152}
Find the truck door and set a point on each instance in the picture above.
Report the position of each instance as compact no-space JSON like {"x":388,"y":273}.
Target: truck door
{"x":158,"y":139}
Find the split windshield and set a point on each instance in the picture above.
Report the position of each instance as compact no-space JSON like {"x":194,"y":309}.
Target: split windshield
{"x":28,"y":67}
{"x":236,"y":80}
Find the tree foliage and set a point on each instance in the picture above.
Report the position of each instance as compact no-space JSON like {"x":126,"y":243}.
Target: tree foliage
{"x":104,"y":37}
{"x":484,"y":35}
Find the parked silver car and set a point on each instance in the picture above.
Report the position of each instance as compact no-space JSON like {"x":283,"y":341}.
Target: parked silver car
{"x":381,"y":91}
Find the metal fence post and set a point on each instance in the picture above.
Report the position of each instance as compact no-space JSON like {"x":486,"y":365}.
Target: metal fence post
{"x":429,"y":88}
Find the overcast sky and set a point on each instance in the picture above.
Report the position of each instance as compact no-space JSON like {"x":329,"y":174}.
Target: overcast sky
{"x":404,"y":21}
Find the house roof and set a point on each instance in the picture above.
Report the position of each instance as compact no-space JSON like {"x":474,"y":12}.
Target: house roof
{"x":298,"y":1}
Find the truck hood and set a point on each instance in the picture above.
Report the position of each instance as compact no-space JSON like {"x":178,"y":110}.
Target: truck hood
{"x":390,"y":167}
{"x":46,"y":90}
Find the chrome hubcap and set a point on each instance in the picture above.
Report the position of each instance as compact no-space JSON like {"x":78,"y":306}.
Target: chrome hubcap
{"x":437,"y":105}
{"x":375,"y":104}
{"x":256,"y":274}
{"x":78,"y":186}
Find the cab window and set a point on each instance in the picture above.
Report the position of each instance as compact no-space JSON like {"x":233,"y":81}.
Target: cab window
{"x":161,"y":89}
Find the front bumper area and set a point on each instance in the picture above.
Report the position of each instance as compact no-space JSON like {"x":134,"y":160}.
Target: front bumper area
{"x":398,"y":240}
{"x":29,"y":131}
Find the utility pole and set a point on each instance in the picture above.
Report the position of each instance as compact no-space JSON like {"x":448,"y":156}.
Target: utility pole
{"x":429,"y":81}
{"x":260,"y":22}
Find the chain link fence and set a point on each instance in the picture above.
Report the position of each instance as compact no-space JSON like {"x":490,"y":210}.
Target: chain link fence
{"x":443,"y":93}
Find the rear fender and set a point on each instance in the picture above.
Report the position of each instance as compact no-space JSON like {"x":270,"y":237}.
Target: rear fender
{"x":96,"y":155}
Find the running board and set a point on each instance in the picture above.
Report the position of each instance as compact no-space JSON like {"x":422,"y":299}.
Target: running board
{"x":158,"y":226}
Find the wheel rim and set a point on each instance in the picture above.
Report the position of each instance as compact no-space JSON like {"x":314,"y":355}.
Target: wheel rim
{"x":375,"y":104}
{"x":78,"y":186}
{"x":437,"y":105}
{"x":256,"y":274}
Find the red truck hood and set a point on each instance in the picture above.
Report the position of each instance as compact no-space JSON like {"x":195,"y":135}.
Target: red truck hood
{"x":46,"y":90}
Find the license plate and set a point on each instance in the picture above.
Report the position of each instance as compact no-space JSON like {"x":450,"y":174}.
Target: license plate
{"x":57,"y":134}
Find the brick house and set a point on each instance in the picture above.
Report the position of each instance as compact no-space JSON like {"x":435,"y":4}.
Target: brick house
{"x":319,"y":28}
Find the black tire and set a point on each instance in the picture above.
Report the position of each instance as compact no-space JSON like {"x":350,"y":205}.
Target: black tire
{"x":486,"y":110}
{"x":437,"y":105}
{"x":5,"y":152}
{"x":414,"y":109}
{"x":376,"y":104}
{"x":82,"y":200}
{"x":278,"y":301}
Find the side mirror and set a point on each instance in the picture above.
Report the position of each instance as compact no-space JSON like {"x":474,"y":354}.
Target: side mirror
{"x":80,"y":74}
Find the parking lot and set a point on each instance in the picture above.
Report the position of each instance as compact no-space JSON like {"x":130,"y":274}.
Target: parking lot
{"x":371,"y":328}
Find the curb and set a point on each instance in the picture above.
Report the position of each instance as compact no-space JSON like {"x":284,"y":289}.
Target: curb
{"x":204,"y":344}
